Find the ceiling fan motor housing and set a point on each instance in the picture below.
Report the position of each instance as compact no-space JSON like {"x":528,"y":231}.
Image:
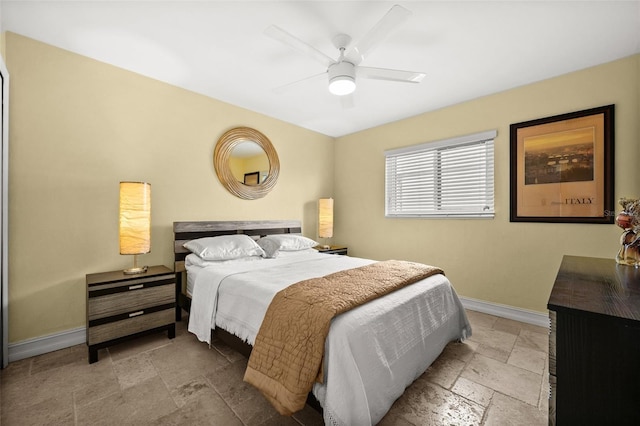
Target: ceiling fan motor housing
{"x":342,"y":78}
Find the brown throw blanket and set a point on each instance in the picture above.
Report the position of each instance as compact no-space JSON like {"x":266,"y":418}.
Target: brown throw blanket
{"x":287,"y":355}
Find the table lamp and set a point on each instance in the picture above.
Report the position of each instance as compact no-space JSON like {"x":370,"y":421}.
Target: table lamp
{"x":325,"y":218}
{"x":135,"y":222}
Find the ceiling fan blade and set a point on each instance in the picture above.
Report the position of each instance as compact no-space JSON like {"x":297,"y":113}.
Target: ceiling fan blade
{"x":348,"y":101}
{"x":389,"y":74}
{"x":393,"y":18}
{"x":285,"y":87}
{"x":294,"y":42}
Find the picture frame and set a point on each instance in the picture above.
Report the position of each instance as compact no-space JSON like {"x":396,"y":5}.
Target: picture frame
{"x":252,"y":178}
{"x":561,"y":168}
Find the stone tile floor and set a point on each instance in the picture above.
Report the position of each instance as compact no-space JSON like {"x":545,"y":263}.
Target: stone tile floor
{"x":497,"y":377}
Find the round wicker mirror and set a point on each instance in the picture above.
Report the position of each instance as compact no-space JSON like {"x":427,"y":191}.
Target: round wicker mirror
{"x":223,"y":155}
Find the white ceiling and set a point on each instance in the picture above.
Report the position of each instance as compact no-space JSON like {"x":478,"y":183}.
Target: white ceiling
{"x":218,"y":48}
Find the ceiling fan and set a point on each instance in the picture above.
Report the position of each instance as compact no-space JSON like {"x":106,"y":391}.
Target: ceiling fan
{"x":343,"y":71}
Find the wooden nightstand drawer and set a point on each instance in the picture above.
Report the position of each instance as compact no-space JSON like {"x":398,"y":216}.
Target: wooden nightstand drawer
{"x":140,"y":321}
{"x":131,"y":297}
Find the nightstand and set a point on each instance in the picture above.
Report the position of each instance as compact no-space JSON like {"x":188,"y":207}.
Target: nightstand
{"x":342,"y":250}
{"x":120,"y":307}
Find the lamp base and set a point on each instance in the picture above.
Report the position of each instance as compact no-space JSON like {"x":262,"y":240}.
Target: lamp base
{"x":133,"y":271}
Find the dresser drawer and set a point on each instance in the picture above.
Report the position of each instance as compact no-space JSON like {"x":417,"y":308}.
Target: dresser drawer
{"x":122,"y":285}
{"x":141,"y":321}
{"x":552,"y":342}
{"x":130,"y":298}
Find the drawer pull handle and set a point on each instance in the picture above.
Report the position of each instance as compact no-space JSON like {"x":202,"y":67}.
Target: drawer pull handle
{"x":135,"y":287}
{"x":135,"y":314}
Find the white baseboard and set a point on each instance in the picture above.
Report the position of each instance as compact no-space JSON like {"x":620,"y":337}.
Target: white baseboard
{"x":44,"y":344}
{"x":505,"y":311}
{"x":65,"y":339}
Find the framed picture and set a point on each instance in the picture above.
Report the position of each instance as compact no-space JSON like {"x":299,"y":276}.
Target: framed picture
{"x":252,"y":178}
{"x":562,"y":168}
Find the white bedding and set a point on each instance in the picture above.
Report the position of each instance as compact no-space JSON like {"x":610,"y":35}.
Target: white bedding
{"x":372,"y":352}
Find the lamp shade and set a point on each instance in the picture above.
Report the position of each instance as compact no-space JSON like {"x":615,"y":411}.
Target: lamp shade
{"x":325,"y":218}
{"x":135,"y":217}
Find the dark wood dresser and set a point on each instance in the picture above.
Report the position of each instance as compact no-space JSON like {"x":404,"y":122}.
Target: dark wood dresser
{"x":594,"y":344}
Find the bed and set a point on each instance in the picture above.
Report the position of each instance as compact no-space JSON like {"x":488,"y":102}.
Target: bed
{"x":372,"y":352}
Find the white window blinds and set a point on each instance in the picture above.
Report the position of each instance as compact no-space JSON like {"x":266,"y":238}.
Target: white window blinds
{"x":448,"y":178}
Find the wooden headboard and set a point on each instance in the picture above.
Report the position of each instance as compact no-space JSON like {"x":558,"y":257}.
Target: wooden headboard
{"x":187,"y":231}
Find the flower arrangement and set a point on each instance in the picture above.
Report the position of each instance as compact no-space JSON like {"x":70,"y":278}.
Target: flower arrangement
{"x":629,"y":220}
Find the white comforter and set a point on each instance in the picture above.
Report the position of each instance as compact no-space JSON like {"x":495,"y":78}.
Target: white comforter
{"x":372,"y":352}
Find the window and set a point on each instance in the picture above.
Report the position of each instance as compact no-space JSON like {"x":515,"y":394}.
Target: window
{"x":448,"y":178}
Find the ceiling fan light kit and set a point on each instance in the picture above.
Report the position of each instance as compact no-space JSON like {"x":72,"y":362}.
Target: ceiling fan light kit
{"x":342,"y":72}
{"x":342,"y":78}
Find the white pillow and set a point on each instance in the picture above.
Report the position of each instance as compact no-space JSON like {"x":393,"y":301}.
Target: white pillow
{"x":272,"y":244}
{"x":224,"y":247}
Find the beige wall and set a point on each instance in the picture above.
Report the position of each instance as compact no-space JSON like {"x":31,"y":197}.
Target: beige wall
{"x":493,"y":260}
{"x":2,"y":46}
{"x":78,"y":127}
